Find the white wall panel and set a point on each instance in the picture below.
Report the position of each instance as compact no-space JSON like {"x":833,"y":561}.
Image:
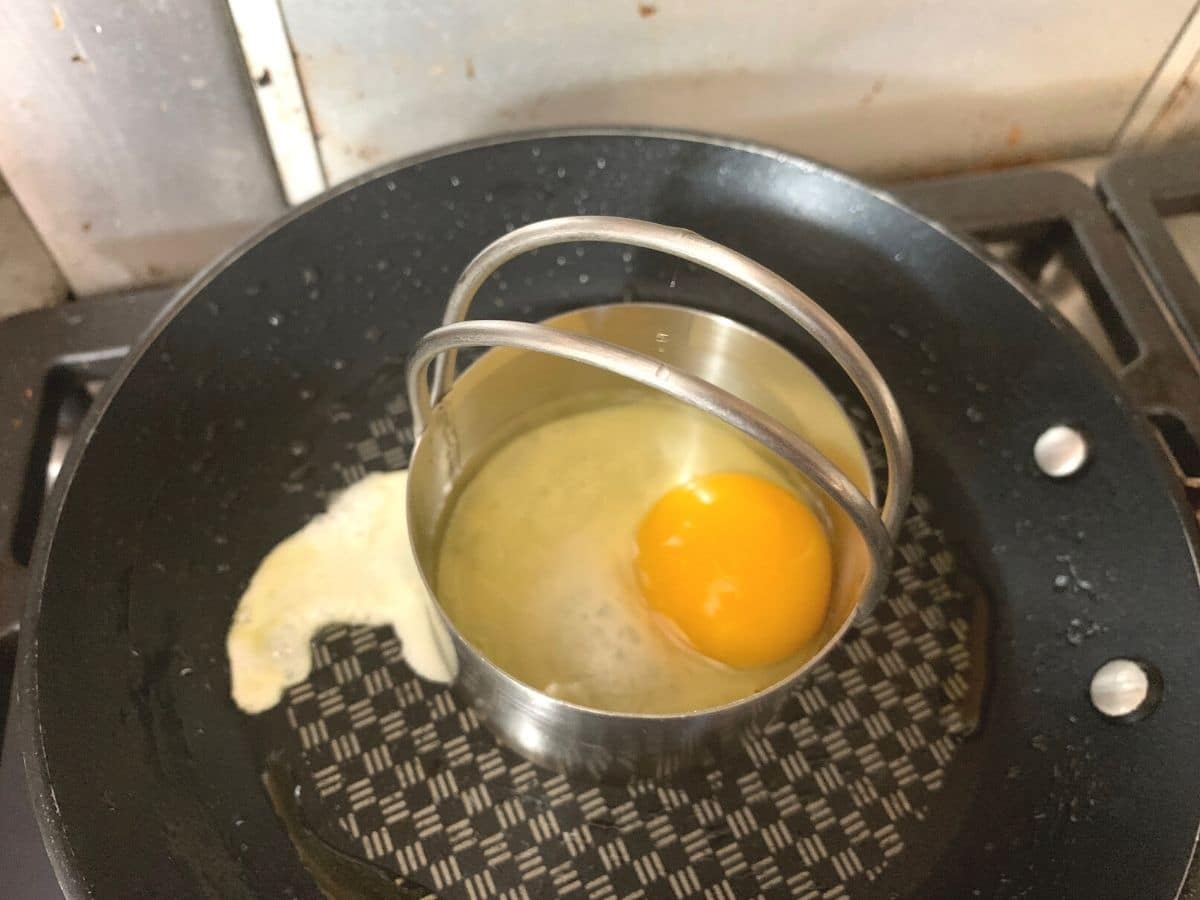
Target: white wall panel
{"x":894,"y":87}
{"x":128,"y":134}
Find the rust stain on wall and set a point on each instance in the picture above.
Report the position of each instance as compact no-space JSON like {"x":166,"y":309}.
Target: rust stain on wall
{"x":876,"y":88}
{"x":368,"y":152}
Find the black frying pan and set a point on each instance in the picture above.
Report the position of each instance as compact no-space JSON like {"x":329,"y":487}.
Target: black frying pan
{"x":276,"y":378}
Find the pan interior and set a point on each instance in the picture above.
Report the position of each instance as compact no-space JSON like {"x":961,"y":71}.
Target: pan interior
{"x":282,"y":380}
{"x":847,"y":772}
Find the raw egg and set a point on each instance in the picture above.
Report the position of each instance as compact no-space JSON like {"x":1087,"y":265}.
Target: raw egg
{"x":740,"y":565}
{"x":582,"y":558}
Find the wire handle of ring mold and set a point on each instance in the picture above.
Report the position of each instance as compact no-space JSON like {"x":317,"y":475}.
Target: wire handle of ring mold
{"x":879,"y":529}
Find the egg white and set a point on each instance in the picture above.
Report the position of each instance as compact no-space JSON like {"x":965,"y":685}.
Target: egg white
{"x":352,"y":565}
{"x":536,"y":568}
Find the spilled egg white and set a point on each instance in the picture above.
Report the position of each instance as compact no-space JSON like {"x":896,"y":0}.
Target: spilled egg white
{"x":351,"y":565}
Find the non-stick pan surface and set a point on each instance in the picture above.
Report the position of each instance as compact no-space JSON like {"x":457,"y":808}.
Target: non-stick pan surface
{"x":277,"y":378}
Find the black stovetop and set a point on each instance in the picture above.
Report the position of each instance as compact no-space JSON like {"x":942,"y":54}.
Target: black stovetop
{"x":1104,"y":258}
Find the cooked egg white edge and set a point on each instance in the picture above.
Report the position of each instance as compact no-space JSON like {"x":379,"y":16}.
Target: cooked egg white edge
{"x":351,"y":565}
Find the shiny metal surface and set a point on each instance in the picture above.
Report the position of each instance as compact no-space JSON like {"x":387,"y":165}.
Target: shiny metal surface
{"x":128,"y":134}
{"x":674,"y":382}
{"x":750,"y":377}
{"x":908,"y":88}
{"x":1120,"y":688}
{"x":1060,"y":451}
{"x":719,"y":367}
{"x":685,"y":244}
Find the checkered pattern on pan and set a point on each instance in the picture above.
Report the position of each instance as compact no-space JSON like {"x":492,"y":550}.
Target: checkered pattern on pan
{"x":397,"y":771}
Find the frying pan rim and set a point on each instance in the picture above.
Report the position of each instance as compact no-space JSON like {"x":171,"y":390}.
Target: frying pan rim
{"x":29,"y":732}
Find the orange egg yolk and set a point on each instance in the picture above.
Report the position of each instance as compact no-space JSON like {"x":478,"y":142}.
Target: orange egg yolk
{"x":739,"y":564}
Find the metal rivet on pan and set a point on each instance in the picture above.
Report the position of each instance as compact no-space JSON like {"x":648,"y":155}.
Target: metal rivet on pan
{"x":1060,"y":451}
{"x":1125,"y":689}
